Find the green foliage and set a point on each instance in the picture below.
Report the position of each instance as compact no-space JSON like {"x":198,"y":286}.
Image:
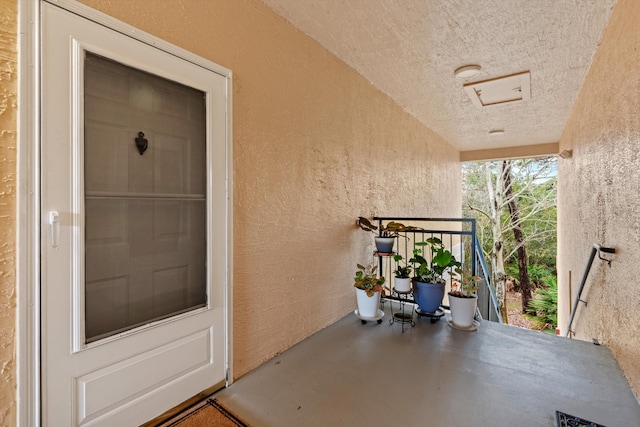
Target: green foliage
{"x":441,"y":260}
{"x":539,"y":274}
{"x":544,"y":305}
{"x":466,"y":288}
{"x":511,"y":269}
{"x":534,"y":186}
{"x":401,"y":271}
{"x":391,"y":229}
{"x":368,"y":280}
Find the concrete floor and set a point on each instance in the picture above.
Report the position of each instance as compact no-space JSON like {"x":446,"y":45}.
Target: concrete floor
{"x":351,"y":374}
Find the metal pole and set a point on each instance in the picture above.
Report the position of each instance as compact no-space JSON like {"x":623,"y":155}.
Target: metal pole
{"x":594,"y":250}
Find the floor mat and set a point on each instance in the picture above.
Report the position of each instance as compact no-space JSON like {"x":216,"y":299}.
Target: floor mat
{"x":205,"y":414}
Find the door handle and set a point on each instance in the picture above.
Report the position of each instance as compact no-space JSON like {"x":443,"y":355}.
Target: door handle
{"x":54,"y":227}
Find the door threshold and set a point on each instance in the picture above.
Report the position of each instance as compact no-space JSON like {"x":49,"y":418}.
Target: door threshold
{"x":184,"y":405}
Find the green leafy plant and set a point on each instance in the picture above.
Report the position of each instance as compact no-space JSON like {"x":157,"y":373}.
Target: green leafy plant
{"x":401,"y":271}
{"x":544,"y":306}
{"x":391,"y":229}
{"x":441,"y":260}
{"x":539,"y":274}
{"x":466,"y":288}
{"x":367,"y":279}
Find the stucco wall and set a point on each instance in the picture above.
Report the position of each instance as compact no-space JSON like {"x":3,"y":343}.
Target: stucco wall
{"x":598,"y":197}
{"x":8,"y":126}
{"x":315,"y":146}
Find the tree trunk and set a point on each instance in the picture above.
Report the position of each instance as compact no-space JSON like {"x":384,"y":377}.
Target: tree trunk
{"x":501,"y":296}
{"x":525,"y":286}
{"x":497,"y":250}
{"x":496,"y":203}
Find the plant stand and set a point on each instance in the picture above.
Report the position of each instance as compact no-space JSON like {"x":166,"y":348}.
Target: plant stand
{"x":433,"y":317}
{"x":401,"y":316}
{"x":381,"y":258}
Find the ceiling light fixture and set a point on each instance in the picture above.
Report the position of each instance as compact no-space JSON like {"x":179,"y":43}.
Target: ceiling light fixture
{"x":467,"y":71}
{"x":495,"y":132}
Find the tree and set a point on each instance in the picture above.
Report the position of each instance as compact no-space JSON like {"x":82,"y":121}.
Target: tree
{"x":533,"y":190}
{"x":514,"y":215}
{"x":490,"y":204}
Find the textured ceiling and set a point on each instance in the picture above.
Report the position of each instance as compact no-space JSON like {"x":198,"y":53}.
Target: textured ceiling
{"x":409,"y":49}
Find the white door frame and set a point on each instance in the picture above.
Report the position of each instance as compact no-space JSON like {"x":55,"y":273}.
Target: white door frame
{"x":28,"y":218}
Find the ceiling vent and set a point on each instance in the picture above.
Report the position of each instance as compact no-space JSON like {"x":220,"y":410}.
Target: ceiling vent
{"x":501,"y":90}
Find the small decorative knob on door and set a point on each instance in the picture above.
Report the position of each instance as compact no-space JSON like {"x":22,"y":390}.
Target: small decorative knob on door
{"x":54,"y":226}
{"x":141,"y":143}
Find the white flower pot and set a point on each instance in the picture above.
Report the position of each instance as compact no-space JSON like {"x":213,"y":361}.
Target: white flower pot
{"x":402,"y":284}
{"x":367,"y":306}
{"x":463,"y":310}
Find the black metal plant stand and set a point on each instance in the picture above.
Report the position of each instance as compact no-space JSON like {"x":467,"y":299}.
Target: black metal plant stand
{"x":402,"y":316}
{"x":433,"y":317}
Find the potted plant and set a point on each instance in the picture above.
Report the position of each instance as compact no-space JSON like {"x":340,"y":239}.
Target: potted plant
{"x":369,"y":289}
{"x":463,"y":300}
{"x":402,"y":281}
{"x":428,"y":281}
{"x":386,"y":234}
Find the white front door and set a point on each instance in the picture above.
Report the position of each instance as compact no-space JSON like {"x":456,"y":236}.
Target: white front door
{"x":134,"y":226}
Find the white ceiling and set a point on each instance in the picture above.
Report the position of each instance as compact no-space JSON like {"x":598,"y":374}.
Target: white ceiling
{"x":409,"y":49}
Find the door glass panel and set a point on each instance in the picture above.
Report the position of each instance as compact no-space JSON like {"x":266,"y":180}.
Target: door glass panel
{"x":145,"y":194}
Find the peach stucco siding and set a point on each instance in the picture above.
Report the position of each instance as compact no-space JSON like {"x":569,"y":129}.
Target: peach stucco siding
{"x":598,"y":197}
{"x":8,"y":126}
{"x":314,"y":147}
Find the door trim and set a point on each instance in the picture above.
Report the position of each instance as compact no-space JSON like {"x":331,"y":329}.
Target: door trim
{"x":28,"y":215}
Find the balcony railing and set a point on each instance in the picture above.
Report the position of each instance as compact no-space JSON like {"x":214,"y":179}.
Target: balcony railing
{"x":459,"y":237}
